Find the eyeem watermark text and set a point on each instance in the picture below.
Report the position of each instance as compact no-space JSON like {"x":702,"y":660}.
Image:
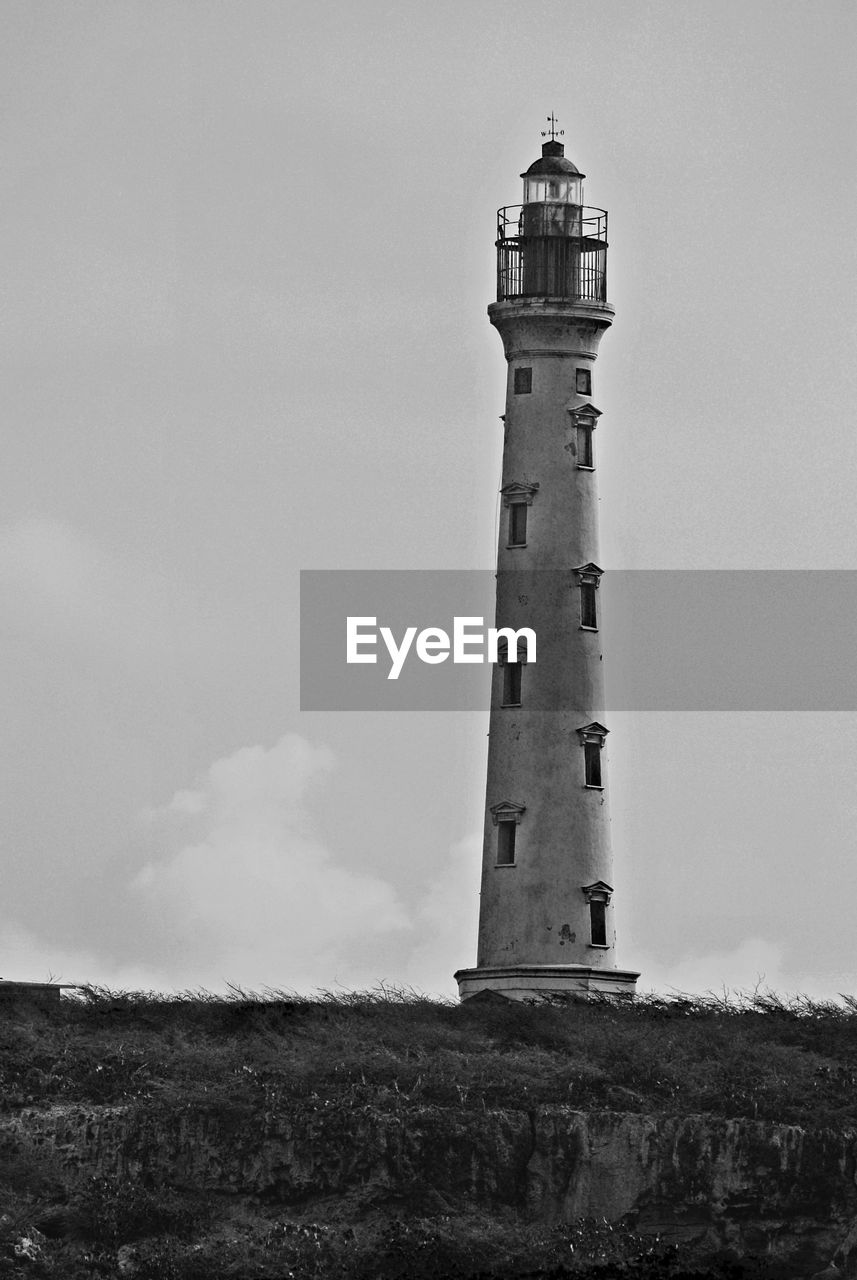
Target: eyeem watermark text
{"x":433,"y":644}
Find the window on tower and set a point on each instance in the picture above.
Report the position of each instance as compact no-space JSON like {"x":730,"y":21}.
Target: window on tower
{"x":592,"y":741}
{"x":506,"y":843}
{"x":585,"y":456}
{"x":598,"y":898}
{"x":506,"y":815}
{"x":598,"y":922}
{"x":523,"y":382}
{"x":592,"y":763}
{"x":517,"y":524}
{"x":584,"y":420}
{"x":588,"y":613}
{"x":583,"y":382}
{"x":588,"y":580}
{"x":512,"y":684}
{"x":512,"y":674}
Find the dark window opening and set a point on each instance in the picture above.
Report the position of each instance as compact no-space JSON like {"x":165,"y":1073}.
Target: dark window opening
{"x":584,"y":447}
{"x":523,"y":382}
{"x":517,"y":524}
{"x":592,"y":763}
{"x":598,"y":923}
{"x":512,"y":684}
{"x":588,"y":615}
{"x":506,"y":843}
{"x":583,"y":382}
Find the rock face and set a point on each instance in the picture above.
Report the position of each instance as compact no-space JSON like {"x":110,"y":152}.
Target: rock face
{"x":757,"y":1188}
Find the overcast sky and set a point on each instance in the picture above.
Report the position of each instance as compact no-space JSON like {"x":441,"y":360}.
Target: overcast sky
{"x":247,"y":250}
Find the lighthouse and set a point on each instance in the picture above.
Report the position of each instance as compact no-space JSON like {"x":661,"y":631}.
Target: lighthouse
{"x":546,"y":917}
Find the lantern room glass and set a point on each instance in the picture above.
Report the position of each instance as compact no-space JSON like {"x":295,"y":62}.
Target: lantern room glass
{"x":564,"y":189}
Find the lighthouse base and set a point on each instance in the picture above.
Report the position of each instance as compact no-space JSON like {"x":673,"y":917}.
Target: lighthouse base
{"x":541,"y":981}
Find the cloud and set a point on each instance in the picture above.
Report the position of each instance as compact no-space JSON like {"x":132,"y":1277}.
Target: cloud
{"x":28,"y":957}
{"x":444,"y":932}
{"x":755,"y":962}
{"x":239,"y":883}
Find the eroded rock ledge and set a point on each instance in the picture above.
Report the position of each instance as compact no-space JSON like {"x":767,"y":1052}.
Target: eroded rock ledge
{"x":775,"y":1191}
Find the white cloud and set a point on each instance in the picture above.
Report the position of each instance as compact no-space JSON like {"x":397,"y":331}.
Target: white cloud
{"x":754,"y":963}
{"x":28,"y":957}
{"x":445,"y":927}
{"x":241,"y":882}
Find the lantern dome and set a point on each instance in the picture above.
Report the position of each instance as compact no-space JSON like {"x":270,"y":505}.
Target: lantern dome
{"x":552,"y":178}
{"x":552,"y":161}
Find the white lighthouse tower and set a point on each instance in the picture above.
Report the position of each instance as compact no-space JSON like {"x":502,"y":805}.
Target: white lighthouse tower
{"x":546,"y":909}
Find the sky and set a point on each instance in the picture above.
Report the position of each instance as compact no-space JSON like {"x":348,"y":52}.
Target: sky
{"x":246,"y":252}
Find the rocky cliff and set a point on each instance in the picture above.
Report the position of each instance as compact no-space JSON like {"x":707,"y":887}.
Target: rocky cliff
{"x":384,"y":1136}
{"x":731,"y":1188}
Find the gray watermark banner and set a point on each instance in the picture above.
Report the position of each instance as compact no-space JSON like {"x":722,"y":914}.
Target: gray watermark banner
{"x":670,"y":640}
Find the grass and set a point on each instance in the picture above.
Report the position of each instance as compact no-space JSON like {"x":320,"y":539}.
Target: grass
{"x":387,"y":1051}
{"x":754,"y":1056}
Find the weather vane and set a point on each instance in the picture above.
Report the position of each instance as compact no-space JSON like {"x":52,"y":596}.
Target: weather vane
{"x":554,"y":132}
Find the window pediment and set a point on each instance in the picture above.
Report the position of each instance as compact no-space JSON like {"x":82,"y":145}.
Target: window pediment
{"x":519,"y":491}
{"x":506,"y":811}
{"x":598,"y":891}
{"x":594,"y":732}
{"x":584,"y":415}
{"x":503,"y":653}
{"x":589,"y":573}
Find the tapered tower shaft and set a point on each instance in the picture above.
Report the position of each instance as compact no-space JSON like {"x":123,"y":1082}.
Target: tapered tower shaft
{"x":546,"y":908}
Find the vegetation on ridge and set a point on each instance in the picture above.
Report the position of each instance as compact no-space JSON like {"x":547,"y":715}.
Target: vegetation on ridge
{"x":386,"y":1052}
{"x":757,"y":1056}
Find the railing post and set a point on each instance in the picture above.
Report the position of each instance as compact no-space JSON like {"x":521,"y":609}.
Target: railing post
{"x":573,"y":267}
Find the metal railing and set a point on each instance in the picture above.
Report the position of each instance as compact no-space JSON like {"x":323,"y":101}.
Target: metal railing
{"x":552,"y":251}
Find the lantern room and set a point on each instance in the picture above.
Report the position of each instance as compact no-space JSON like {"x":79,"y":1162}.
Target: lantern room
{"x":553,"y":178}
{"x":551,"y":246}
{"x":553,"y":194}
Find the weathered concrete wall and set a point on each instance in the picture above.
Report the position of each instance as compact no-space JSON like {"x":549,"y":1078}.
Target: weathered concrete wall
{"x":776,"y":1191}
{"x":534,"y":912}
